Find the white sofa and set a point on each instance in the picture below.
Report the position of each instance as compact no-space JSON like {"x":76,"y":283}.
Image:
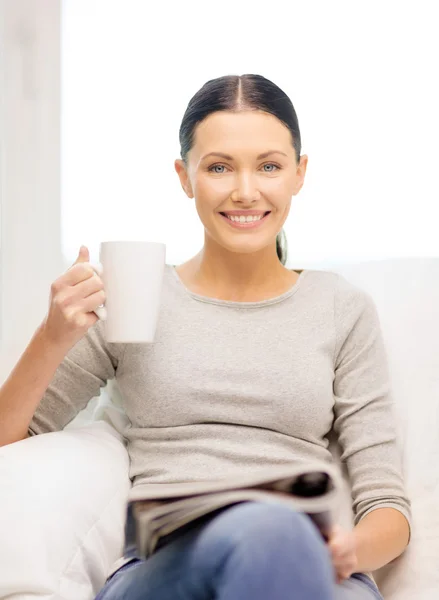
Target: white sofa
{"x":62,"y":495}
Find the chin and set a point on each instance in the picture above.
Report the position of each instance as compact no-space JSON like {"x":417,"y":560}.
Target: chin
{"x":246,"y":248}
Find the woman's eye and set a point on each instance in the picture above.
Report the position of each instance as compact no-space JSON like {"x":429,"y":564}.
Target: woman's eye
{"x":220,"y":169}
{"x":270,"y":165}
{"x":213,"y":168}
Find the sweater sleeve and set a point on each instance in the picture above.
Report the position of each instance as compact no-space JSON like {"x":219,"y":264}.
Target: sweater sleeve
{"x":85,"y":369}
{"x":364,"y":417}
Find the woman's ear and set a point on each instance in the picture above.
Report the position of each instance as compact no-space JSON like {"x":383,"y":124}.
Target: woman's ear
{"x":300,"y":174}
{"x":181,"y":169}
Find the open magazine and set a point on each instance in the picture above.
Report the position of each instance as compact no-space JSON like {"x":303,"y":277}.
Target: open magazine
{"x":154,"y":515}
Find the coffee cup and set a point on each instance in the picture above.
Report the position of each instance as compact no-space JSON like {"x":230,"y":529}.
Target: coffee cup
{"x":132,"y":273}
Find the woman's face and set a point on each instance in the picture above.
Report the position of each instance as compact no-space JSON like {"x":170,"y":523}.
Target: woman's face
{"x":243,"y":161}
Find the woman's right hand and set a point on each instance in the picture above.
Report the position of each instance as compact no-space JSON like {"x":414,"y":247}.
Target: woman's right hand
{"x":74,"y":296}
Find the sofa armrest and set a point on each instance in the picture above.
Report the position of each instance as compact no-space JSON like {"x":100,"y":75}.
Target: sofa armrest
{"x":62,"y":512}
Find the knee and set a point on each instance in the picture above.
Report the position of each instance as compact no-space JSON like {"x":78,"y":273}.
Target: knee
{"x":272,"y":527}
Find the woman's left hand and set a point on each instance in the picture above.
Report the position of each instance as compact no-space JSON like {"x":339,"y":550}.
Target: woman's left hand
{"x":342,"y":546}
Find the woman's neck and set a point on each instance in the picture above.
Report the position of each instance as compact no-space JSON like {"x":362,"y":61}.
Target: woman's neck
{"x":238,"y":277}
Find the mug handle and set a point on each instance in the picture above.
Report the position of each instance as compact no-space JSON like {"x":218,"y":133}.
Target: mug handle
{"x":100,"y":311}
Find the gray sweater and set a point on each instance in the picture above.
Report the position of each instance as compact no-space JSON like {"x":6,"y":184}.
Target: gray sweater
{"x":236,"y":387}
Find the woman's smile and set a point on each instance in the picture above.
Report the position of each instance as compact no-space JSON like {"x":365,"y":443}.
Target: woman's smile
{"x":245,"y":222}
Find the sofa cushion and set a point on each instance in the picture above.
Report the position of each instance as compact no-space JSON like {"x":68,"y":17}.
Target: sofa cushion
{"x":62,"y":511}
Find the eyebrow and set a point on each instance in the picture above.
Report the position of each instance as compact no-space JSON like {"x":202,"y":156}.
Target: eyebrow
{"x":228,"y":157}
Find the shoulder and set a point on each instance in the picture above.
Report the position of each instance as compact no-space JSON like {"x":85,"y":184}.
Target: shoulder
{"x":344,"y":292}
{"x":350,"y":302}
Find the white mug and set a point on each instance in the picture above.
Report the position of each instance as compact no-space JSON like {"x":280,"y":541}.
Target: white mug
{"x":132,"y":273}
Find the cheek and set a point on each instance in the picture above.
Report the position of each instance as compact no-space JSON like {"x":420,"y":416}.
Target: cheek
{"x":210,"y":192}
{"x":280,"y":188}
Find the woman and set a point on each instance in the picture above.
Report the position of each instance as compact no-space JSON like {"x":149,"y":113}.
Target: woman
{"x":252,"y":365}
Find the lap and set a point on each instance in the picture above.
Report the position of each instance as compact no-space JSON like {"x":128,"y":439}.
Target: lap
{"x":178,"y":563}
{"x":356,"y":587}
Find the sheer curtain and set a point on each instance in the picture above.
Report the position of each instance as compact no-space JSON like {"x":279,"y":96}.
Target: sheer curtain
{"x":360,"y":75}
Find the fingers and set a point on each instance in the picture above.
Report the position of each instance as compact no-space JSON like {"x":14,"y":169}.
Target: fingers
{"x":83,"y":256}
{"x":80,"y":270}
{"x":74,"y":296}
{"x":77,"y":273}
{"x":343,"y":572}
{"x":341,"y":542}
{"x":343,"y":553}
{"x":77,"y":319}
{"x":92,"y":302}
{"x":345,"y":565}
{"x":87,"y":287}
{"x":72,"y":282}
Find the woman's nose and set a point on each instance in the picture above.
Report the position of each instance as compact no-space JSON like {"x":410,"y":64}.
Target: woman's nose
{"x":246,"y":189}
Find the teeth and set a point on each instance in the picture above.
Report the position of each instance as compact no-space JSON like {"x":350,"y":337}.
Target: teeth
{"x":243,"y":219}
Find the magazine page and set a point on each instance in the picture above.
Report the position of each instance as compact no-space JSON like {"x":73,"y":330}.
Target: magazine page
{"x":269,"y":476}
{"x":314,"y":492}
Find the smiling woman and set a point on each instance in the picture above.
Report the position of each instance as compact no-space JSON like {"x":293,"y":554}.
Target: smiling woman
{"x":240,"y":161}
{"x":241,"y":96}
{"x":252,"y":367}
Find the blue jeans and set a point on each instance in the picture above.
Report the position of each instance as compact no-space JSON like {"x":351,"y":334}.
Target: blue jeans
{"x":250,"y":551}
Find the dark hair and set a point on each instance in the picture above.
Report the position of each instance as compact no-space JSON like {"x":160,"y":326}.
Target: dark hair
{"x":238,"y":93}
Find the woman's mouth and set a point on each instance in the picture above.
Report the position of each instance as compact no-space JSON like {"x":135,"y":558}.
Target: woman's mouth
{"x":242,"y":222}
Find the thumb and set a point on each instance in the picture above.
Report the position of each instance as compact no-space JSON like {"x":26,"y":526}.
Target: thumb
{"x":83,"y":256}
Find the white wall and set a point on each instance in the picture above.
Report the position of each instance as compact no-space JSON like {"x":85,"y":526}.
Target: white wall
{"x":360,"y":74}
{"x":30,"y":168}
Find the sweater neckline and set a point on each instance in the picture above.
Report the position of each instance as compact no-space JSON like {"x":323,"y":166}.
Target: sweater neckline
{"x":235,"y":303}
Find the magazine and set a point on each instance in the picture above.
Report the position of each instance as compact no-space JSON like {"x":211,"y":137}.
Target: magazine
{"x":153,"y":514}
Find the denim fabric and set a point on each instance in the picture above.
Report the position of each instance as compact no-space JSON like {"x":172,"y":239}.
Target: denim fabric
{"x":253,"y":551}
